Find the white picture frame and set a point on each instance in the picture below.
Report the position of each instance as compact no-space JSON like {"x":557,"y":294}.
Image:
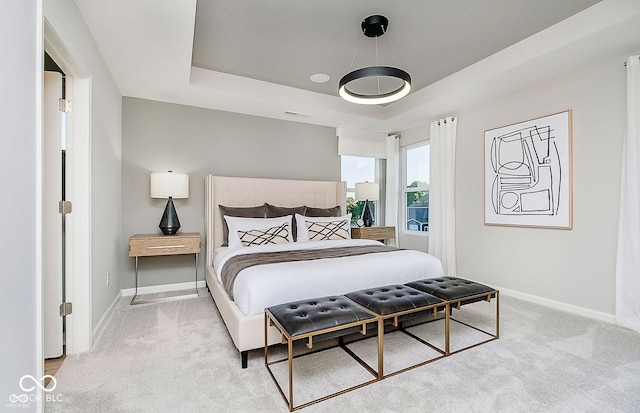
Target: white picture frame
{"x":527,"y":173}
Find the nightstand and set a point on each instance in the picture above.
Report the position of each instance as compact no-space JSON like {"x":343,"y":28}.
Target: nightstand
{"x":375,"y":233}
{"x":149,"y":245}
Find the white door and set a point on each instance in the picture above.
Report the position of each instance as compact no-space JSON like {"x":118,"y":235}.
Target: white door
{"x":52,"y":219}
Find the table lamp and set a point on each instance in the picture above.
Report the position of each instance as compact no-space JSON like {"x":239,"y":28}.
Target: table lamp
{"x":169,"y":185}
{"x":369,"y":191}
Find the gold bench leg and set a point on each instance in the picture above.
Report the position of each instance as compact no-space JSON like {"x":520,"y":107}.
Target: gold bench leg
{"x":290,"y":346}
{"x":497,"y":314}
{"x":447,"y":329}
{"x":380,"y":348}
{"x":266,"y":347}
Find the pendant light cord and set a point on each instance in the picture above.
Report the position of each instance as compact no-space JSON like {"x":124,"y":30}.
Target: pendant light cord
{"x":377,"y":64}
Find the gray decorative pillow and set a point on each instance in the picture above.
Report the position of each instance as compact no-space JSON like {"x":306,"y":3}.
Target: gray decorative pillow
{"x":323,"y":212}
{"x":274,"y":235}
{"x":259,"y":211}
{"x":320,"y":231}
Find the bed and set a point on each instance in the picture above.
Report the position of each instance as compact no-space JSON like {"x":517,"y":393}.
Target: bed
{"x":260,"y":286}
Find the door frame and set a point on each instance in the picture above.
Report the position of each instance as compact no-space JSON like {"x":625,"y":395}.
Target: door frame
{"x":52,"y":221}
{"x":78,"y":184}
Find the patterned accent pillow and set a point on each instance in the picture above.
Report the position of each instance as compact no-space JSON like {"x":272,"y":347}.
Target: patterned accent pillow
{"x":274,"y":235}
{"x":259,"y":211}
{"x":320,"y":231}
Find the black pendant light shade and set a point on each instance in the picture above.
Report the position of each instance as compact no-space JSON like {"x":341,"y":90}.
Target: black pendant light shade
{"x":377,"y":98}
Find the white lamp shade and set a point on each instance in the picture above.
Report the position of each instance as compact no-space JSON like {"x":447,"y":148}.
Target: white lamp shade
{"x":169,"y":184}
{"x":367,"y":190}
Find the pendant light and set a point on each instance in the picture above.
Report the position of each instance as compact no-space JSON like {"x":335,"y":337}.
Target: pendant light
{"x":375,"y":26}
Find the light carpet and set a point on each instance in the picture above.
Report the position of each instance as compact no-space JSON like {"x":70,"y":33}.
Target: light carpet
{"x":177,"y":356}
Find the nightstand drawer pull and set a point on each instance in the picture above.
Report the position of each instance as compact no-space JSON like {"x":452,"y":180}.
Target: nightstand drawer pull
{"x":165,"y":247}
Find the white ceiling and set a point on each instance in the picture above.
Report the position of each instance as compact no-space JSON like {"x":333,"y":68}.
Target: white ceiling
{"x":256,"y":56}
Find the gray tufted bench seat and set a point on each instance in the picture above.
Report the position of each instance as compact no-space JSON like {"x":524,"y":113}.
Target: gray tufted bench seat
{"x":458,"y":292}
{"x":396,"y":303}
{"x":319,"y":318}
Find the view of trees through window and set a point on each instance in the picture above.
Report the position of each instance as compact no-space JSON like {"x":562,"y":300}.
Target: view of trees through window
{"x":416,"y":188}
{"x":417,"y":208}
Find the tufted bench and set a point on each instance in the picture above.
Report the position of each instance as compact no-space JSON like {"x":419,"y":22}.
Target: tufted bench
{"x":337,"y":316}
{"x":457,"y":292}
{"x":395,"y":303}
{"x":321,"y":318}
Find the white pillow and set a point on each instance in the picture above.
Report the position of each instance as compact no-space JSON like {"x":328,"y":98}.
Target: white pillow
{"x":303,"y":230}
{"x":236,"y":224}
{"x":273,"y":235}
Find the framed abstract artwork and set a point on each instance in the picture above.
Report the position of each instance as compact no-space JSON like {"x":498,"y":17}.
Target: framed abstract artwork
{"x":527,"y":173}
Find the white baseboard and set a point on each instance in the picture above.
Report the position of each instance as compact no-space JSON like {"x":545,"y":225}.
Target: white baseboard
{"x":570,"y":308}
{"x":163,"y":288}
{"x":95,"y":334}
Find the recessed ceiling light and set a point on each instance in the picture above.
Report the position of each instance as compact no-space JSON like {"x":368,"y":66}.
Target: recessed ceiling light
{"x":319,"y":77}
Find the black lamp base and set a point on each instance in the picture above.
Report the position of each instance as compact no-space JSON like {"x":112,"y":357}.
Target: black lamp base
{"x":366,"y":214}
{"x":169,"y":224}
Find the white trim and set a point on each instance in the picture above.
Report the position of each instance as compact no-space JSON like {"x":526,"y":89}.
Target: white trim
{"x":78,"y":279}
{"x":99,"y":328}
{"x":39,"y":274}
{"x":162,"y":288}
{"x":570,"y":308}
{"x":55,"y":43}
{"x":78,"y":270}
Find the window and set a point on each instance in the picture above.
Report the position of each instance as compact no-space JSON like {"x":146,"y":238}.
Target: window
{"x":415,"y":161}
{"x":358,"y":169}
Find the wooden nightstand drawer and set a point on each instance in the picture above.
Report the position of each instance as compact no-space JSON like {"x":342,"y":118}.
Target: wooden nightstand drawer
{"x":146,"y":245}
{"x":376,"y":233}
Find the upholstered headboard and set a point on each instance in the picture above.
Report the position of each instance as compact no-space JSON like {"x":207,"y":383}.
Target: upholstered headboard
{"x":238,"y":192}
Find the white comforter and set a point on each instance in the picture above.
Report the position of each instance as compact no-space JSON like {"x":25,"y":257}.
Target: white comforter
{"x":263,"y":286}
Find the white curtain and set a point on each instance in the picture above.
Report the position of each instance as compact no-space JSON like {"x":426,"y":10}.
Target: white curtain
{"x":393,"y":184}
{"x":628,"y":259}
{"x":442,"y":213}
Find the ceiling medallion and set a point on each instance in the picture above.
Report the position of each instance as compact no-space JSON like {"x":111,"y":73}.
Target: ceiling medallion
{"x":375,"y":26}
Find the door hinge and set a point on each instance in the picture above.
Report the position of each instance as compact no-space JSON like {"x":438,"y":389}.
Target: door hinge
{"x":65,"y":105}
{"x":64,"y":207}
{"x":65,"y":309}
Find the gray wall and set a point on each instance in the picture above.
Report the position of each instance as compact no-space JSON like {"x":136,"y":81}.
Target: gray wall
{"x":575,"y":267}
{"x":157,"y":137}
{"x":18,"y":120}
